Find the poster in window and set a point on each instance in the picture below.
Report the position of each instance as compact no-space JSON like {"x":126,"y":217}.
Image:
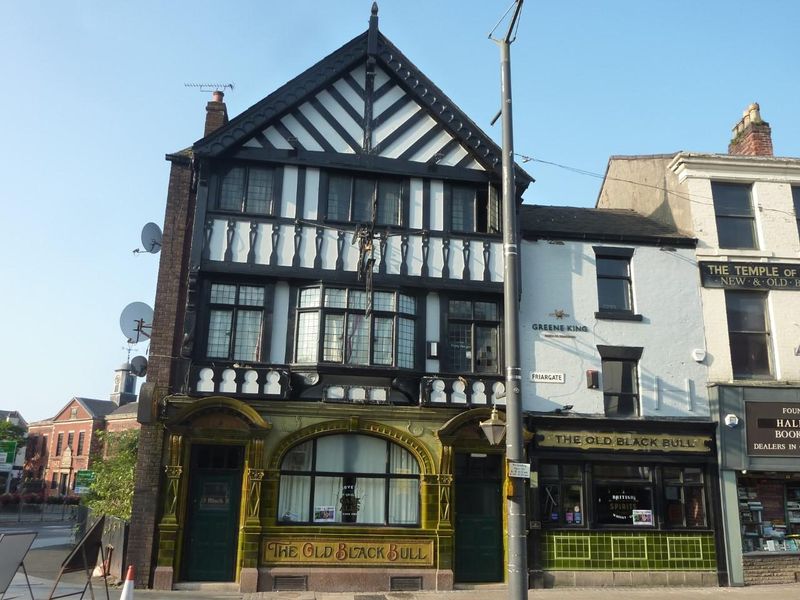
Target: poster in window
{"x":642,"y":517}
{"x":324,"y":514}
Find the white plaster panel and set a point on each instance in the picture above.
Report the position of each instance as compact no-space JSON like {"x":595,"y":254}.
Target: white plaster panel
{"x":435,"y":258}
{"x":276,"y":139}
{"x":360,"y":75}
{"x":349,"y":255}
{"x":311,"y":197}
{"x":428,"y":150}
{"x":308,"y":247}
{"x":496,"y":261}
{"x":415,"y":211}
{"x":476,"y":261}
{"x":475,"y":165}
{"x":405,"y":141}
{"x":394,"y":255}
{"x":437,"y":205}
{"x":328,"y":132}
{"x":414,"y":258}
{"x":381,"y":77}
{"x":563,"y":277}
{"x":329,"y":249}
{"x":303,"y":137}
{"x":263,"y":243}
{"x":289,"y":192}
{"x":452,"y":157}
{"x":432,"y":328}
{"x":252,"y":143}
{"x":393,"y":122}
{"x":216,"y":245}
{"x":352,"y":98}
{"x":286,"y":245}
{"x":385,"y":101}
{"x":456,"y":258}
{"x":341,"y":115}
{"x":241,"y":242}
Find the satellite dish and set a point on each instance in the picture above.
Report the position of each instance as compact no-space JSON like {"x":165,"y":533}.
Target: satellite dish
{"x":151,"y":238}
{"x":139,"y":366}
{"x":135,"y":319}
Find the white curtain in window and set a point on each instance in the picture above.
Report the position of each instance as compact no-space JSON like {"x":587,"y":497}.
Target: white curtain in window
{"x":327,"y":493}
{"x":293,"y":498}
{"x":371,"y":494}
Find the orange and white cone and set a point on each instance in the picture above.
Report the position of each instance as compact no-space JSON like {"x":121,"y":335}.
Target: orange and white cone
{"x":127,"y":589}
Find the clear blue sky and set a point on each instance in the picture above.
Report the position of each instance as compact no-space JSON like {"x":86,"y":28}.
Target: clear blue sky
{"x":93,"y":97}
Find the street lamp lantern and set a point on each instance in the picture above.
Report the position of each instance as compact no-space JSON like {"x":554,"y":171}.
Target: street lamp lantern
{"x":494,"y":428}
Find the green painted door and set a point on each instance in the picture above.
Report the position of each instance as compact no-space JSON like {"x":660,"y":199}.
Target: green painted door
{"x":479,"y":519}
{"x":213,"y":513}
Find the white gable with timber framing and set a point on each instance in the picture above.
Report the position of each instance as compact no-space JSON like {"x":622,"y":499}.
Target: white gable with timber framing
{"x":333,"y":120}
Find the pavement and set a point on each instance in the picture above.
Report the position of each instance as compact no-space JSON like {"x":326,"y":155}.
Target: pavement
{"x":54,"y":542}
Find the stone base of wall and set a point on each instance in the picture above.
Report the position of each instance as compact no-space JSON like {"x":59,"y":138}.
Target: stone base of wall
{"x":762,"y":569}
{"x":550,"y":579}
{"x":323,"y":579}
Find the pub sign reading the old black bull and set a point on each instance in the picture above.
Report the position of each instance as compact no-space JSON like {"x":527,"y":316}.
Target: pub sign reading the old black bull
{"x":750,"y":275}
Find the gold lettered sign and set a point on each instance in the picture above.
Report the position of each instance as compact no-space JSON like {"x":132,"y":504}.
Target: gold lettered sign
{"x":349,"y":552}
{"x":629,"y":442}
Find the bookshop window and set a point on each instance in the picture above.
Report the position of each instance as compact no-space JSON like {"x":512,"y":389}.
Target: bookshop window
{"x":561,"y":495}
{"x":349,"y":478}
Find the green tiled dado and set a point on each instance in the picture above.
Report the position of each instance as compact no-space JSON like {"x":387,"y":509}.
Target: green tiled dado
{"x":628,"y":550}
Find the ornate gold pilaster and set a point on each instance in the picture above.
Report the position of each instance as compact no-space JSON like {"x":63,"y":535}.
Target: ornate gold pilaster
{"x":169,"y":527}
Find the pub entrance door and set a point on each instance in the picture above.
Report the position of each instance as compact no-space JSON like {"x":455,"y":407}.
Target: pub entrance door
{"x":479,"y":517}
{"x":215,"y":481}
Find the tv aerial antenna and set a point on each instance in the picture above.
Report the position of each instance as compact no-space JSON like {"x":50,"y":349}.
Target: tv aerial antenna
{"x":210,"y":87}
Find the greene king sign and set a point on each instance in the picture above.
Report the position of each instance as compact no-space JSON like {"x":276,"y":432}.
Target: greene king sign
{"x":773,"y":428}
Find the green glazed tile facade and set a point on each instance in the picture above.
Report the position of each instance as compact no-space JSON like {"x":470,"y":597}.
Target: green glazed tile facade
{"x":628,"y":550}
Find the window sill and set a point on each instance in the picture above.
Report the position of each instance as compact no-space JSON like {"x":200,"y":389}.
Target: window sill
{"x":617,"y":315}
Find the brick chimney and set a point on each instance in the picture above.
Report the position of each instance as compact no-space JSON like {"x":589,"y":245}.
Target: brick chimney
{"x":751,"y":136}
{"x":216,"y":112}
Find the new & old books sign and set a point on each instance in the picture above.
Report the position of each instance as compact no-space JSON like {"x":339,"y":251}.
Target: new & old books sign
{"x":773,"y":428}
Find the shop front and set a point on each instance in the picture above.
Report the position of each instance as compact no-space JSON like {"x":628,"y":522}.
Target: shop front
{"x":760,"y":473}
{"x":616,"y":502}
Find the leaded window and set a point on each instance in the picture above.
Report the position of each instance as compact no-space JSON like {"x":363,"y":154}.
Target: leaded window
{"x":360,"y":199}
{"x":235,"y":322}
{"x":473,"y":336}
{"x":349,"y":479}
{"x":345,"y":325}
{"x":247,"y":189}
{"x":474,"y":210}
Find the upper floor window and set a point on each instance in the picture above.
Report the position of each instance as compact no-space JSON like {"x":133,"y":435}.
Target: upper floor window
{"x":349,"y":478}
{"x":81,"y":442}
{"x":360,"y":200}
{"x":733,"y":206}
{"x":234,"y":322}
{"x":357,"y":329}
{"x":59,"y":443}
{"x":620,"y":380}
{"x":796,"y":200}
{"x":748,"y":334}
{"x":70,"y":439}
{"x":247,"y":189}
{"x":473,"y":336}
{"x":474,"y":210}
{"x":73,"y":412}
{"x":614,"y":284}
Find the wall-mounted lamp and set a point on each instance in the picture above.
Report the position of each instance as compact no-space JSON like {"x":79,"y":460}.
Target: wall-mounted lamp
{"x":731,"y":420}
{"x":493,"y":428}
{"x":432,"y":349}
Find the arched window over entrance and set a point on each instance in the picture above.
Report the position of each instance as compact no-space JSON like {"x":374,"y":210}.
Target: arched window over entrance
{"x":349,"y":479}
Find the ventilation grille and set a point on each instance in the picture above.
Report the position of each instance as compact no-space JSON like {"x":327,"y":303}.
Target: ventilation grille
{"x":405,"y":584}
{"x":290,"y":583}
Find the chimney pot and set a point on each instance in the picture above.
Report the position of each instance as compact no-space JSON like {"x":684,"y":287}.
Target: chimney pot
{"x":217,"y":96}
{"x":216,"y":113}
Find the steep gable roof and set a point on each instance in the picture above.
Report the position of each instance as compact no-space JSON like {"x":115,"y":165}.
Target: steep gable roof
{"x":333,"y":107}
{"x":601,"y":224}
{"x":95,"y":408}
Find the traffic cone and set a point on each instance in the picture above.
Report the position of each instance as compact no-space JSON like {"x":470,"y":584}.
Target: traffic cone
{"x":127,"y":589}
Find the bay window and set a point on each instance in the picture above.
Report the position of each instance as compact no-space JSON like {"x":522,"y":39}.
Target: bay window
{"x":235,"y":322}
